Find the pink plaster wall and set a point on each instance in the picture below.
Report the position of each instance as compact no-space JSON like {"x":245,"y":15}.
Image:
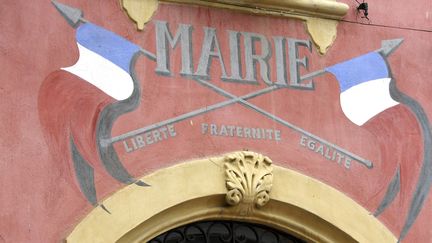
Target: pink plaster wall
{"x":40,"y":200}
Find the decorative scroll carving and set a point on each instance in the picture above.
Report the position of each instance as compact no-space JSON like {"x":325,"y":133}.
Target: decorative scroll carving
{"x":249,"y":179}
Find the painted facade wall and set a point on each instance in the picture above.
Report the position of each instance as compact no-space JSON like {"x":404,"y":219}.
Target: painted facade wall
{"x":67,"y":144}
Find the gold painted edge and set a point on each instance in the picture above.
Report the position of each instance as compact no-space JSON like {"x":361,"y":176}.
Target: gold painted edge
{"x":133,"y":205}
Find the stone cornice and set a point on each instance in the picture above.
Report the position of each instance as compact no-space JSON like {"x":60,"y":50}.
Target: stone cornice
{"x":289,"y":8}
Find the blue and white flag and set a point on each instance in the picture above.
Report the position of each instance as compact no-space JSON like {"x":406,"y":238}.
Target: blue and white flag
{"x":104,"y":60}
{"x":364,"y":85}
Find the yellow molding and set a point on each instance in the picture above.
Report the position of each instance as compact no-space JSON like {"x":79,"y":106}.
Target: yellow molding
{"x":196,"y":190}
{"x":321,"y":16}
{"x":307,"y":8}
{"x":140,"y":11}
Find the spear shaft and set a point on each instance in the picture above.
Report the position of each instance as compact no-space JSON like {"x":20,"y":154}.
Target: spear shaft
{"x":388,"y":47}
{"x":74,"y":17}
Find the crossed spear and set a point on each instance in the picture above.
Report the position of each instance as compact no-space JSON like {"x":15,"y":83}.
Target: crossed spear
{"x":75,"y":16}
{"x":388,"y":46}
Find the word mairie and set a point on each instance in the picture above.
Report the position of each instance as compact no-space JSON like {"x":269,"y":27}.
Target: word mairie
{"x":242,"y":50}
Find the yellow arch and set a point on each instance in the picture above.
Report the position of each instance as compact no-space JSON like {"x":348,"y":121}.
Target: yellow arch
{"x":195,"y":190}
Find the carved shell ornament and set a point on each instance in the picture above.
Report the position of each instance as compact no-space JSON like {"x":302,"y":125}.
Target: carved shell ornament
{"x":249,"y":179}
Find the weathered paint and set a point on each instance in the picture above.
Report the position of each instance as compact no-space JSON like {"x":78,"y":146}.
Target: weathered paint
{"x":37,"y":175}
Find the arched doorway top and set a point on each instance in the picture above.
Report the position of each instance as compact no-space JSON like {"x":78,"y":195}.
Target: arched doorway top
{"x":196,"y":190}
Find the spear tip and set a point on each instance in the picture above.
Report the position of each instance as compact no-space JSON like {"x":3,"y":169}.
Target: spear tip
{"x":389,"y":46}
{"x":72,"y":15}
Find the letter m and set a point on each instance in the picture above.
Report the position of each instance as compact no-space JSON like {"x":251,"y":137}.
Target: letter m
{"x":164,"y":38}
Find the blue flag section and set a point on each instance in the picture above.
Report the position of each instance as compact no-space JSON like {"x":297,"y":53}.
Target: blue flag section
{"x":110,"y":46}
{"x":358,"y":70}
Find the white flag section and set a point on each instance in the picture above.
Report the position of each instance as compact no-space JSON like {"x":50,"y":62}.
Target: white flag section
{"x":104,"y":61}
{"x":103,"y":74}
{"x":365,"y":87}
{"x":363,"y":101}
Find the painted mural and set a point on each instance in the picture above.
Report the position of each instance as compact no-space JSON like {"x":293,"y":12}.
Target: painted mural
{"x":203,"y":86}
